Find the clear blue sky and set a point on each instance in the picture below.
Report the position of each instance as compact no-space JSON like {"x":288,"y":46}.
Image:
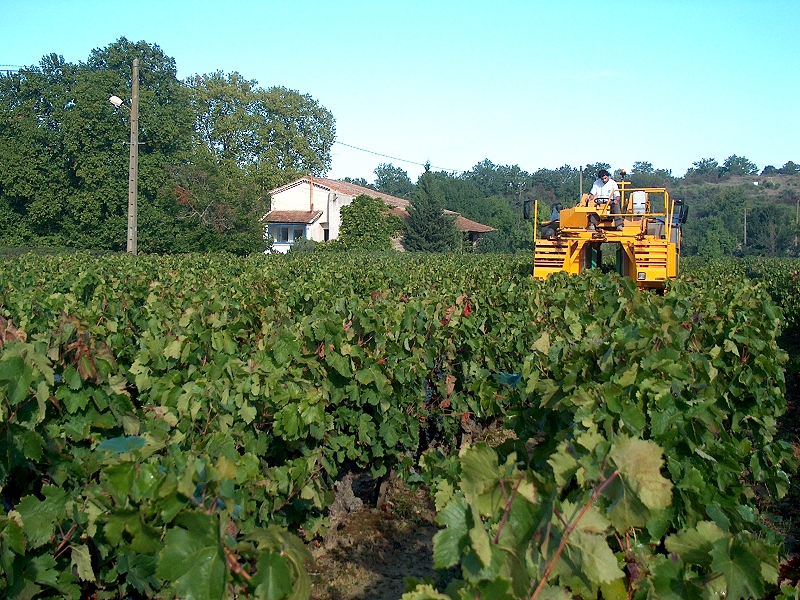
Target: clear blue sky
{"x":533,"y":83}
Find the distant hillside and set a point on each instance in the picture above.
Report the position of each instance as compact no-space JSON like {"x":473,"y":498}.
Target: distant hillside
{"x":782,"y":188}
{"x":741,"y":215}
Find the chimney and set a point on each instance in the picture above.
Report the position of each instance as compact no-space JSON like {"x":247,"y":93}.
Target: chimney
{"x":311,"y":191}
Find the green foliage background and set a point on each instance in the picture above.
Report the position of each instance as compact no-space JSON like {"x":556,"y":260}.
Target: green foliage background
{"x":213,"y":145}
{"x":210,"y":150}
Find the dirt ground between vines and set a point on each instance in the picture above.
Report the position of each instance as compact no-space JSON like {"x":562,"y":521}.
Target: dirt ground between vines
{"x":373,"y":549}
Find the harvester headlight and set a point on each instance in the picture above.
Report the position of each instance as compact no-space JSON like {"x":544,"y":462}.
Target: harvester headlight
{"x":641,"y":276}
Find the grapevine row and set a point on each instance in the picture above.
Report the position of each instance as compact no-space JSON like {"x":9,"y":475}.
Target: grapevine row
{"x":168,"y":424}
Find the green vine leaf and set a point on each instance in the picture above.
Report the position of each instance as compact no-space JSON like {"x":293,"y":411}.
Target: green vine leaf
{"x":123,"y":444}
{"x":668,"y":581}
{"x":695,"y":545}
{"x":425,"y":592}
{"x":193,"y":558}
{"x":553,"y":592}
{"x":589,"y":556}
{"x":740,"y":568}
{"x":450,"y":542}
{"x":273,"y":580}
{"x":564,"y":464}
{"x":39,"y":517}
{"x":82,"y":561}
{"x":639,"y":463}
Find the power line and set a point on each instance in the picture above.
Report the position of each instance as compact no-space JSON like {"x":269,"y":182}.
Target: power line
{"x":413,"y":162}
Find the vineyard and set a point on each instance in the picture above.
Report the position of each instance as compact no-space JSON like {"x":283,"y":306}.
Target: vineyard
{"x":182,"y":426}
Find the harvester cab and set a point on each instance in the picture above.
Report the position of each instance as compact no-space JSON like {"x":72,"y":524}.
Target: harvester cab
{"x":647,"y":244}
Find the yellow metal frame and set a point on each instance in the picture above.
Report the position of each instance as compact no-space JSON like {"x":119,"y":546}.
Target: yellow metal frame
{"x":650,"y":241}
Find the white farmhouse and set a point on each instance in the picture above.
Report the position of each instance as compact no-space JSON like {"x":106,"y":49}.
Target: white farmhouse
{"x":310,"y":208}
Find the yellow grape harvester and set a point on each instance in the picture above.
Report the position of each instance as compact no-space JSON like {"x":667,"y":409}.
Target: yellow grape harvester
{"x":648,"y":245}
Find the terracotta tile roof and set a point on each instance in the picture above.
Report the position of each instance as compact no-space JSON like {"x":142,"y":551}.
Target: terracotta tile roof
{"x":292,"y":216}
{"x":465,"y":224}
{"x":349,"y":189}
{"x":462,"y":223}
{"x":352,"y":189}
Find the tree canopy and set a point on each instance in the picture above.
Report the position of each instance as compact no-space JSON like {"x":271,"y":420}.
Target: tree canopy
{"x":739,"y":165}
{"x":213,"y":145}
{"x":210,"y":150}
{"x":718,"y":196}
{"x":393,"y":181}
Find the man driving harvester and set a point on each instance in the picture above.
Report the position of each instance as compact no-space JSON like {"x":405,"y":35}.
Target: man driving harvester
{"x":605,"y":190}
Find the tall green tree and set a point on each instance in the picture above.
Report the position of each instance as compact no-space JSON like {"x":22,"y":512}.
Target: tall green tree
{"x":706,"y":169}
{"x":561,"y":185}
{"x":165,"y":135}
{"x":428,"y":228}
{"x":739,"y":165}
{"x":715,"y":239}
{"x":771,"y":230}
{"x":35,"y":174}
{"x":63,"y":152}
{"x":514,"y":232}
{"x":366,"y":225}
{"x":248,"y":141}
{"x":644,"y":174}
{"x":224,"y":107}
{"x":297,"y":134}
{"x":218,"y":206}
{"x":359,"y":181}
{"x":275,"y":135}
{"x":769,"y":170}
{"x":507,"y":181}
{"x":393,"y":181}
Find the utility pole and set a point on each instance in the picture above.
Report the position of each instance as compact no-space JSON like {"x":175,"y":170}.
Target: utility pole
{"x":133,"y":166}
{"x":580,"y":179}
{"x":745,"y":226}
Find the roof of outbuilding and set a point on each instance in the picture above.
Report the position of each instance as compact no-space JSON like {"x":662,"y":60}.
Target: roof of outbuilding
{"x":462,"y":223}
{"x":465,"y":224}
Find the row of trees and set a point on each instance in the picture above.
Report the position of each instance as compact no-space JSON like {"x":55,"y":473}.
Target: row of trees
{"x":708,"y":169}
{"x":729,"y":215}
{"x":211,"y":148}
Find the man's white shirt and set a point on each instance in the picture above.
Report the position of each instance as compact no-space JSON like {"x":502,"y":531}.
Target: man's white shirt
{"x":604,"y":191}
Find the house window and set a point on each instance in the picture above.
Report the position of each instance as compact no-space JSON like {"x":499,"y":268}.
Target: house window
{"x":287,"y":234}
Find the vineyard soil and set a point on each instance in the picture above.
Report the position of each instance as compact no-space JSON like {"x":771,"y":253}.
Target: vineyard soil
{"x":376,"y":548}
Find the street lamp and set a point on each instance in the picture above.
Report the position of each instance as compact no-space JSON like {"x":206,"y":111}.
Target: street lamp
{"x":133,"y":166}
